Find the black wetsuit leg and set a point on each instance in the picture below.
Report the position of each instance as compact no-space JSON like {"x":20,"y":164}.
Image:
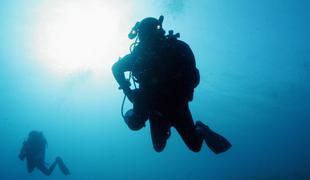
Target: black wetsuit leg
{"x":30,"y":166}
{"x":160,"y":131}
{"x":180,"y":116}
{"x":45,"y":170}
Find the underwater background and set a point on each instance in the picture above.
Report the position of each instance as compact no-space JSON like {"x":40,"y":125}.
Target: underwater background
{"x":55,"y":77}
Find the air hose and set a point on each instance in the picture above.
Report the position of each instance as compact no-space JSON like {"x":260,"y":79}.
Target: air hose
{"x":132,"y":46}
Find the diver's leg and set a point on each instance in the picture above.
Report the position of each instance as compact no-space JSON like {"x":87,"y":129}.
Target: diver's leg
{"x":47,"y":171}
{"x":193,"y":135}
{"x":30,"y":166}
{"x":184,"y":124}
{"x":160,"y":131}
{"x":63,"y":168}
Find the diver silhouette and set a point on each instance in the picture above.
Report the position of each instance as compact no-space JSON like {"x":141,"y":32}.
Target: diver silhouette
{"x":34,"y":151}
{"x":163,"y":70}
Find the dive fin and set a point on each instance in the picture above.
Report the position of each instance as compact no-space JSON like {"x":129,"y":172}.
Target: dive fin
{"x":217,"y":143}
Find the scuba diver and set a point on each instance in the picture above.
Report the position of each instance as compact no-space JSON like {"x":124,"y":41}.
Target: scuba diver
{"x":34,"y":151}
{"x":163,"y":71}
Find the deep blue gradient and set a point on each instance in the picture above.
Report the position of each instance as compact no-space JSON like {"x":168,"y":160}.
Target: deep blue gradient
{"x":254,"y":60}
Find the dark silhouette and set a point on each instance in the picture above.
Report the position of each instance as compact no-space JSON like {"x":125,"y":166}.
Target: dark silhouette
{"x":34,"y":151}
{"x":165,"y":70}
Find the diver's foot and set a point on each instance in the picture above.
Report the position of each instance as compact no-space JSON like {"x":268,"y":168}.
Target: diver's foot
{"x":214,"y":141}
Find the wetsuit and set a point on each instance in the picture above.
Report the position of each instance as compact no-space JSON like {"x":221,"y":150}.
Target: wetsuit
{"x":167,"y":76}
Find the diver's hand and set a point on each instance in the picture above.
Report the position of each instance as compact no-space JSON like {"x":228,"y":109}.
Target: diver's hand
{"x":131,"y":94}
{"x":21,"y":157}
{"x":23,"y":151}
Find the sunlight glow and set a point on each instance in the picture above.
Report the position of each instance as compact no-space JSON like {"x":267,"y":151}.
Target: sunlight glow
{"x":78,"y":35}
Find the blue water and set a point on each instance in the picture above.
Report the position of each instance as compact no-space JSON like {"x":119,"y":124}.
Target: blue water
{"x":253,"y":58}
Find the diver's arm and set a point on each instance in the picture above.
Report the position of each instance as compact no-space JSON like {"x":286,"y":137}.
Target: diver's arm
{"x":119,"y":69}
{"x":23,"y":152}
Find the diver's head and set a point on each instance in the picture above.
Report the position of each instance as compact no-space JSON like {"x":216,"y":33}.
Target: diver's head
{"x":36,"y":136}
{"x":149,"y":30}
